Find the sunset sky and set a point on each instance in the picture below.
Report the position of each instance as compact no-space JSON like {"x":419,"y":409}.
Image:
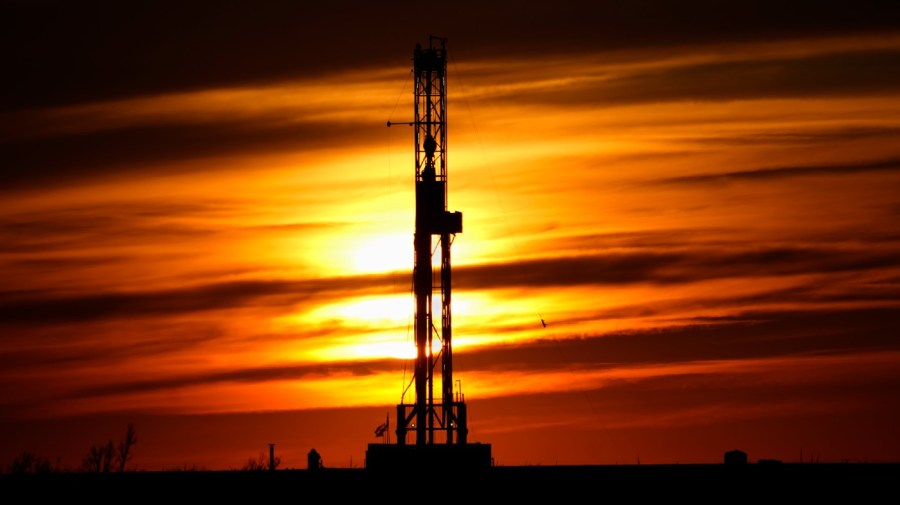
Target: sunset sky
{"x":207,"y":228}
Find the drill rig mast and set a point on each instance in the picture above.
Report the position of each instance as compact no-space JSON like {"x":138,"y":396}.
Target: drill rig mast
{"x":439,"y":424}
{"x":428,"y":415}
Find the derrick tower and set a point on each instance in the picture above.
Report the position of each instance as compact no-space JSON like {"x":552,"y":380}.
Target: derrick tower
{"x":445,"y":413}
{"x":434,"y":428}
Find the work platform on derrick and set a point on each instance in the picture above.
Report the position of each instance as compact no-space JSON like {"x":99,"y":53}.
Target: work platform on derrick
{"x":439,"y":426}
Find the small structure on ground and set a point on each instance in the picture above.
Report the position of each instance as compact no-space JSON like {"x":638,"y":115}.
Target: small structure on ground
{"x":735,"y":457}
{"x":313,"y":460}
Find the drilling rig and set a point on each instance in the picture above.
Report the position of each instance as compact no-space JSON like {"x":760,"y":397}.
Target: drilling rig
{"x":438,"y":426}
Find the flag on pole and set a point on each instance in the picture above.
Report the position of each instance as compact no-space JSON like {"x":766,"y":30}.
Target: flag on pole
{"x":383,"y":427}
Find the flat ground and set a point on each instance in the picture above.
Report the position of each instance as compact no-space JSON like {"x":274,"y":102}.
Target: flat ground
{"x":858,"y":483}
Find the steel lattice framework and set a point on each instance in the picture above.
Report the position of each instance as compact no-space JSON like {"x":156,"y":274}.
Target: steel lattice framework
{"x":428,"y":417}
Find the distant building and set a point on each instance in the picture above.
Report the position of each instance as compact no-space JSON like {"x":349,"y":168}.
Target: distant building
{"x":735,"y":457}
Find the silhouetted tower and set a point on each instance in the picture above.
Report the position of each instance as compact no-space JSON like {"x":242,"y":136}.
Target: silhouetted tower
{"x":439,"y":423}
{"x":445,"y":415}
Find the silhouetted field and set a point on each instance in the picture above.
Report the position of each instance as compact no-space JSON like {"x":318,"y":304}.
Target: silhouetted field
{"x":859,"y":483}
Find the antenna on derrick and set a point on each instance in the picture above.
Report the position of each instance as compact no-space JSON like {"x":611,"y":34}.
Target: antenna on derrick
{"x":438,"y":424}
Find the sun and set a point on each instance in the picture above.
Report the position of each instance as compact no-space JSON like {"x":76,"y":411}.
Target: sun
{"x":382,"y":325}
{"x":383,"y":253}
{"x":391,"y":309}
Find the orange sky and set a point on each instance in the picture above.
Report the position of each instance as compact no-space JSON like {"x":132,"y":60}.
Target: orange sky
{"x":213,"y":240}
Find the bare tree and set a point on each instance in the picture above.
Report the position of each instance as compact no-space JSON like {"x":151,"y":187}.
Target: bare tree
{"x":28,"y":462}
{"x":23,"y":463}
{"x":93,"y":460}
{"x":104,"y":458}
{"x":255,"y":464}
{"x":125,"y":446}
{"x":109,"y":456}
{"x":261,"y":463}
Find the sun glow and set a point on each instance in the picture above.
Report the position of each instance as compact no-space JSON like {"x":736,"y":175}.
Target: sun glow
{"x":378,"y":311}
{"x":394,"y":348}
{"x":383,"y":253}
{"x":383,"y":328}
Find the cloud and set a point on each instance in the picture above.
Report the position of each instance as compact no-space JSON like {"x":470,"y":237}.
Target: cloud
{"x":748,"y":335}
{"x":755,"y":389}
{"x":245,"y":375}
{"x":753,"y":336}
{"x":835,"y":75}
{"x":77,"y":230}
{"x":620,"y":268}
{"x":616,"y":268}
{"x":799,"y":138}
{"x":45,"y":162}
{"x":67,"y":54}
{"x":706,"y":310}
{"x":763,"y":174}
{"x":661,"y":239}
{"x":153,"y":147}
{"x":30,"y":309}
{"x":99,"y":346}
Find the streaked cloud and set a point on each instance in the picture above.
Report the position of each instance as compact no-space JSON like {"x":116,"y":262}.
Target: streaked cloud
{"x":889,"y":165}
